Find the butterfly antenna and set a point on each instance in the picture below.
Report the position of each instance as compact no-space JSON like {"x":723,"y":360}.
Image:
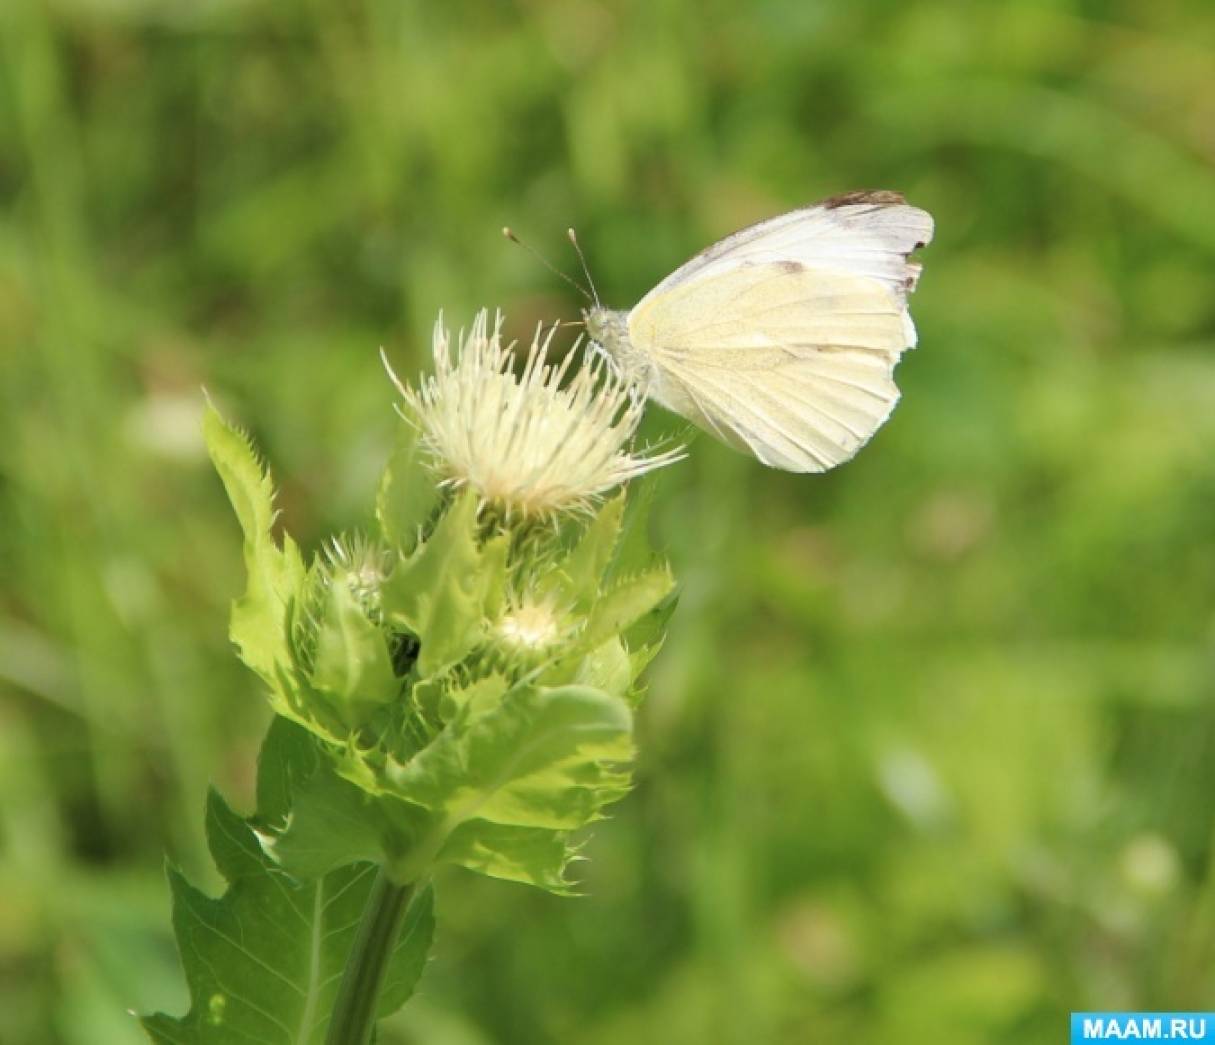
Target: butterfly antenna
{"x":586,"y":271}
{"x":510,"y":235}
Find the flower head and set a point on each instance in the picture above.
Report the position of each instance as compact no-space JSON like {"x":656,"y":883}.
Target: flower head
{"x":360,"y":563}
{"x":532,"y":625}
{"x":552,"y":439}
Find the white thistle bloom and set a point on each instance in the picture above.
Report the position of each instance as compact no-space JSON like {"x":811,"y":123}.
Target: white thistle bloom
{"x":532,"y":625}
{"x":526,"y":444}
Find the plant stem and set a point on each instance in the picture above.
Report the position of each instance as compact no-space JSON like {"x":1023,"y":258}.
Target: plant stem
{"x":354,"y":1009}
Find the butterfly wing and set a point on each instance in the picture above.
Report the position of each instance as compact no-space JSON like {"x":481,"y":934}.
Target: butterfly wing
{"x":782,"y":340}
{"x":865,"y":233}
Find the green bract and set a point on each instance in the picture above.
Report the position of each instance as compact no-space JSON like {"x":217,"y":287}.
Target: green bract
{"x":451,"y":689}
{"x":469,"y":693}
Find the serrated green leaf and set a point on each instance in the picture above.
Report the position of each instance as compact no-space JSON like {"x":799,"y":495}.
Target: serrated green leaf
{"x":473,"y":698}
{"x":606,"y":667}
{"x":333,"y":822}
{"x":263,"y":962}
{"x":530,"y":855}
{"x":634,"y":552}
{"x":408,"y":494}
{"x":639,"y":660}
{"x":628,"y":602}
{"x":547,"y":758}
{"x":289,"y":755}
{"x":649,"y":630}
{"x":295,"y":698}
{"x":234,"y":846}
{"x":312,"y":819}
{"x":439,"y":594}
{"x":494,"y":555}
{"x":643,"y":640}
{"x":427,"y":697}
{"x":275,"y":575}
{"x":581,"y":574}
{"x":531,"y":761}
{"x":352,"y":666}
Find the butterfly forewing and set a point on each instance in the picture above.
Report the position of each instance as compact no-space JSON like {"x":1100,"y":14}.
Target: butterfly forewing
{"x":782,"y":339}
{"x":867,"y":234}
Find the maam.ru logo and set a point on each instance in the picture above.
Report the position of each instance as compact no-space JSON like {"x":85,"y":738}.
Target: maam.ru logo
{"x":1143,"y":1026}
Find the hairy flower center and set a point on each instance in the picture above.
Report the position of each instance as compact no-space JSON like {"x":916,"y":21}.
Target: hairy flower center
{"x":551,"y":439}
{"x":533,"y":626}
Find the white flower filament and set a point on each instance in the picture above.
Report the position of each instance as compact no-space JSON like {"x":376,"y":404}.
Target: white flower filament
{"x":536,"y":444}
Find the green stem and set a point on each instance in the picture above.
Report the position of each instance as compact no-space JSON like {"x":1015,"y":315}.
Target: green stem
{"x":354,"y":1010}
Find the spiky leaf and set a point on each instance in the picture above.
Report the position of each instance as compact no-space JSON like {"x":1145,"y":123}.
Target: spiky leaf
{"x":408,"y":494}
{"x":530,"y":855}
{"x":634,"y":551}
{"x":263,"y":961}
{"x":477,"y":696}
{"x":625,"y":604}
{"x":607,"y":667}
{"x":275,"y":575}
{"x":327,"y":821}
{"x":289,"y":756}
{"x":439,"y":593}
{"x":581,"y":573}
{"x":352,"y":666}
{"x":541,"y":758}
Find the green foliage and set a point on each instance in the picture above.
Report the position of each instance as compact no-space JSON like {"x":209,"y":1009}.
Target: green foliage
{"x":439,"y":594}
{"x":580,"y":577}
{"x":263,"y":961}
{"x":407,"y":497}
{"x":481,"y":752}
{"x":931,"y":747}
{"x":273,"y":619}
{"x":275,"y":575}
{"x":625,"y":603}
{"x":310,"y":819}
{"x":543,"y":760}
{"x":467,"y":752}
{"x":352,"y":664}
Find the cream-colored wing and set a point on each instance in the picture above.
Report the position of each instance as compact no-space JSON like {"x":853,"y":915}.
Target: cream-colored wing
{"x":792,"y":363}
{"x":861,"y":233}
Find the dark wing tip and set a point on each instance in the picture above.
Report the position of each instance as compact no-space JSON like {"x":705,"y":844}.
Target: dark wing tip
{"x":873,"y":197}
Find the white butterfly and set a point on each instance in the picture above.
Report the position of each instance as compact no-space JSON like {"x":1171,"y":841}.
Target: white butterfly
{"x":782,"y":339}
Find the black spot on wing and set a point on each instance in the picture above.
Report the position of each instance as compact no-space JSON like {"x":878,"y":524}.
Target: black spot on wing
{"x":873,"y":197}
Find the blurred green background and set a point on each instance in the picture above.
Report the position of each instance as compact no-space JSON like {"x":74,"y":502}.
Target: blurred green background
{"x":930,"y":754}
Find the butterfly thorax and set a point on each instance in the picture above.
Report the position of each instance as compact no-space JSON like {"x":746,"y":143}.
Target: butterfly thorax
{"x":609,"y":329}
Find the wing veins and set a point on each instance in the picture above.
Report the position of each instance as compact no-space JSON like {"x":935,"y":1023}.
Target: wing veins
{"x":677,"y":356}
{"x":777,"y":427}
{"x":749,"y":377}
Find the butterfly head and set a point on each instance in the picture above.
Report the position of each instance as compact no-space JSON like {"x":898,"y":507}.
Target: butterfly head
{"x":609,"y":329}
{"x":605,"y":327}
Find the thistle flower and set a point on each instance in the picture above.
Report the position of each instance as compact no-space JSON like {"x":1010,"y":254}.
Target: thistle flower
{"x":360,"y":563}
{"x":532,"y":445}
{"x":532,"y":625}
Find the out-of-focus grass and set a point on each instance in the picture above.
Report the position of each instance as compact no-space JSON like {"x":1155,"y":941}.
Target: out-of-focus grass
{"x":929,"y":753}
